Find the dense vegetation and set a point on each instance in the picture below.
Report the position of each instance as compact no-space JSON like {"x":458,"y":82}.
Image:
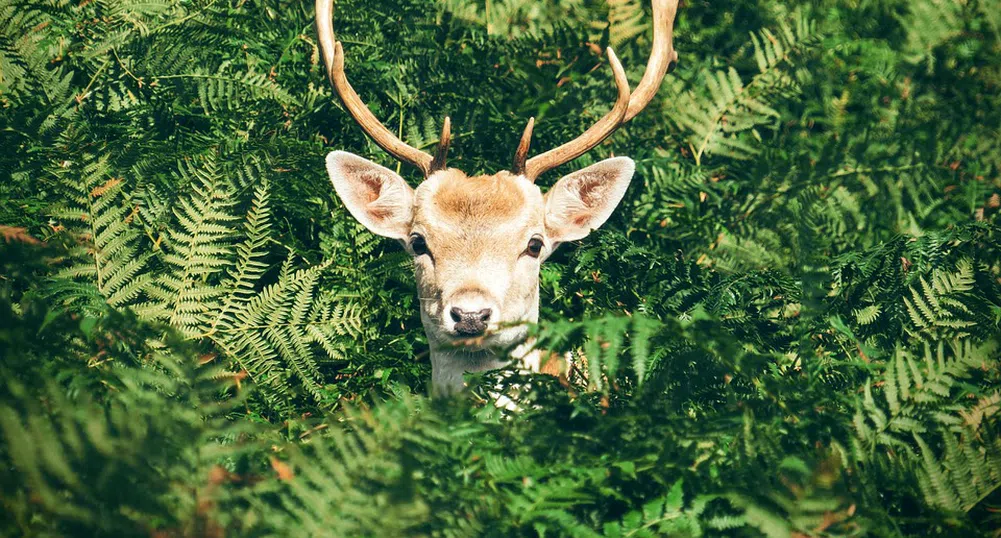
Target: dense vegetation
{"x":790,"y":326}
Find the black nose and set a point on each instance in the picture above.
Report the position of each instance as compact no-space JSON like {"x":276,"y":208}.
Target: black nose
{"x":470,"y":323}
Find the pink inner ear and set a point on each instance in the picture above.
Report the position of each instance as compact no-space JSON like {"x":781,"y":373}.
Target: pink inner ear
{"x":589,"y":191}
{"x":373,"y":184}
{"x":380,"y":214}
{"x":373,"y":189}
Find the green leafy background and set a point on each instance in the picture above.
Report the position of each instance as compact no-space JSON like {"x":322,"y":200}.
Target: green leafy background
{"x":790,"y":326}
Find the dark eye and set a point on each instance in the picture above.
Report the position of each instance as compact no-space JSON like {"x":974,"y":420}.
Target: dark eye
{"x":419,"y":245}
{"x":534,"y":247}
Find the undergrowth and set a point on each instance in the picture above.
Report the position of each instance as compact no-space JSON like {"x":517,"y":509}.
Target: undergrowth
{"x":790,"y":327}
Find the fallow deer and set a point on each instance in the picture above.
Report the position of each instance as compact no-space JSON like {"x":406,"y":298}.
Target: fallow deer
{"x":477,"y":242}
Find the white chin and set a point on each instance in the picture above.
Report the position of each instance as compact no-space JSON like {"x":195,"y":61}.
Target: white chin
{"x":497,"y":340}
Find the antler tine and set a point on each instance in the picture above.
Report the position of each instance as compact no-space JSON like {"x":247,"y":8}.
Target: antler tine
{"x":443,"y":142}
{"x":521,"y":154}
{"x":661,"y":57}
{"x":607,"y":125}
{"x":333,"y":56}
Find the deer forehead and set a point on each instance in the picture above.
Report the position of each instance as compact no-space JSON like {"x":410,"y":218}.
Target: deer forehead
{"x":481,"y":210}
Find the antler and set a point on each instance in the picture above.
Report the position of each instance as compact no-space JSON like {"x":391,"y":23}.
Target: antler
{"x":333,"y":57}
{"x":626,"y":106}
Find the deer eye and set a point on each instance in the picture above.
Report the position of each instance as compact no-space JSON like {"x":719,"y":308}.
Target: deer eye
{"x":534,"y":247}
{"x":419,"y":245}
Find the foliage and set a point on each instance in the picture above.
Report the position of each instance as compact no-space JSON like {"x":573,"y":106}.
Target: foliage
{"x":789,"y":328}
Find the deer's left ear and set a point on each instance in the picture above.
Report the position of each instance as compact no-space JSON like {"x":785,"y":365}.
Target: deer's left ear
{"x":583,"y":200}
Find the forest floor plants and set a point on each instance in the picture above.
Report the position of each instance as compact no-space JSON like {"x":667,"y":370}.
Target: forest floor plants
{"x":789,"y":328}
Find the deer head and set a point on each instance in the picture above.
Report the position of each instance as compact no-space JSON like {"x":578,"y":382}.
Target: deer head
{"x":478,"y":242}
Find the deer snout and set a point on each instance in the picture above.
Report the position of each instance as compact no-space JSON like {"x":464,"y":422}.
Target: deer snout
{"x":470,"y":323}
{"x":470,"y":312}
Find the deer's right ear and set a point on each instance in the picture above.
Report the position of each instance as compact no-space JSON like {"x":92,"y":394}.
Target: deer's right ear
{"x":375,"y":195}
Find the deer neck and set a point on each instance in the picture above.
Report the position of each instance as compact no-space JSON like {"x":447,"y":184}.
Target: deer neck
{"x":449,"y":365}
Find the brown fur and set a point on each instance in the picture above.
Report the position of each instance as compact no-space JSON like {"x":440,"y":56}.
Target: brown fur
{"x":479,"y":198}
{"x":553,"y":365}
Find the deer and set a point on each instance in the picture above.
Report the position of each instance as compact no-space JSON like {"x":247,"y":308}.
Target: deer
{"x":478,"y":242}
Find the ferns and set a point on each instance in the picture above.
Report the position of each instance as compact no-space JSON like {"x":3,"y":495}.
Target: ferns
{"x":102,"y":451}
{"x":510,"y":17}
{"x":250,"y":262}
{"x":936,"y":309}
{"x":603,"y":346}
{"x":110,"y":255}
{"x":716,"y":122}
{"x":205,"y":285}
{"x":21,"y":54}
{"x":271,"y":335}
{"x":222,"y":90}
{"x":867,"y":315}
{"x":967,"y":472}
{"x":918,"y":394}
{"x":662,"y":516}
{"x":138,"y":13}
{"x":931,"y":23}
{"x":196,"y":251}
{"x":921,"y":402}
{"x":339,"y":475}
{"x":626,"y":20}
{"x":789,"y":327}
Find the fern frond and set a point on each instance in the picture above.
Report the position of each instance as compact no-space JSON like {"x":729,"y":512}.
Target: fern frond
{"x":964,"y":474}
{"x":666,"y":515}
{"x":331,"y":492}
{"x":223,"y":89}
{"x":110,"y":256}
{"x":918,"y":393}
{"x":717,"y":122}
{"x":272,"y":335}
{"x":196,"y":251}
{"x":929,"y":24}
{"x":867,"y":315}
{"x":936,"y":309}
{"x":626,"y":20}
{"x":250,"y":254}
